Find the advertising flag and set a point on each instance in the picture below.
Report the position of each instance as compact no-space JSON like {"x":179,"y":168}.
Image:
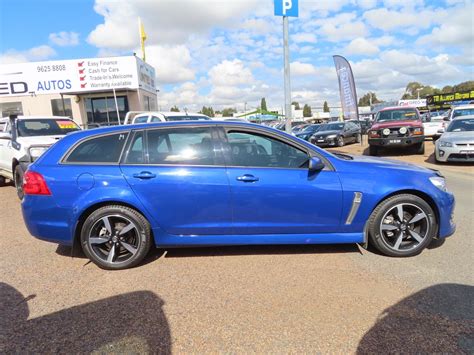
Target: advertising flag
{"x":346,"y":88}
{"x":142,"y":37}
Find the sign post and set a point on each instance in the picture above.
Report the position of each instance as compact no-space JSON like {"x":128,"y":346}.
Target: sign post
{"x":286,"y":8}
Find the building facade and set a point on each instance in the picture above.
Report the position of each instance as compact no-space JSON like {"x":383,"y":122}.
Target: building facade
{"x":90,"y":90}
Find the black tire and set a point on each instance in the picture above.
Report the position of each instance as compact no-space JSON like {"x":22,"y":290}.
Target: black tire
{"x":373,"y":150}
{"x":340,"y":141}
{"x":420,"y":148}
{"x":3,"y":181}
{"x":18,"y":179}
{"x":138,"y":239}
{"x":380,"y":236}
{"x":358,"y":138}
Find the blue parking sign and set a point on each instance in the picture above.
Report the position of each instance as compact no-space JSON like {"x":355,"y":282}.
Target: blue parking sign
{"x":286,"y":8}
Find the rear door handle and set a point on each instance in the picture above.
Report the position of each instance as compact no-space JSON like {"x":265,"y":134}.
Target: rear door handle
{"x":247,"y":178}
{"x":144,"y":175}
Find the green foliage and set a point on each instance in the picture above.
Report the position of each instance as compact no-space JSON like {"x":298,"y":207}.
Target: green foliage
{"x":307,"y":111}
{"x":263,"y":104}
{"x":414,"y":88}
{"x":174,"y":109}
{"x":228,"y":112}
{"x":297,"y":105}
{"x":326,"y":106}
{"x":365,"y":100}
{"x":464,"y":86}
{"x":208,"y":111}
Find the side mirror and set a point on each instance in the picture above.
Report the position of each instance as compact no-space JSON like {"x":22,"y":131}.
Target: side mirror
{"x":441,"y":130}
{"x":446,"y":118}
{"x":4,"y":135}
{"x":315,"y":164}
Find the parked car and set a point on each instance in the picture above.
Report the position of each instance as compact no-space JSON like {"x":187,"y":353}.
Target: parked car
{"x":399,"y":127}
{"x":281,"y":126}
{"x":118,"y":191}
{"x":457,"y":143}
{"x":134,"y":117}
{"x":297,"y":129}
{"x":308,"y":132}
{"x":23,"y":139}
{"x":364,"y":125}
{"x":432,"y":125}
{"x":336,"y":134}
{"x":461,"y":110}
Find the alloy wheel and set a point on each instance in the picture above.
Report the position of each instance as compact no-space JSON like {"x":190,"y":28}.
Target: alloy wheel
{"x":404,"y":227}
{"x":114,"y":239}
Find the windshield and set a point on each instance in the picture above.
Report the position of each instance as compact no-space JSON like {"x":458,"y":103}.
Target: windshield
{"x":463,"y":112}
{"x":461,"y":125}
{"x":45,"y":127}
{"x":396,"y":115}
{"x":332,"y":127}
{"x":312,"y":128}
{"x":187,"y":118}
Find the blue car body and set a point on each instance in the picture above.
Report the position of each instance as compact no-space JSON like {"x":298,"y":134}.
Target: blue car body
{"x":208,"y":205}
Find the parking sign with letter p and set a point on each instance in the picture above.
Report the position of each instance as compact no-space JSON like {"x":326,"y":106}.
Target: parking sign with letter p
{"x":286,"y":8}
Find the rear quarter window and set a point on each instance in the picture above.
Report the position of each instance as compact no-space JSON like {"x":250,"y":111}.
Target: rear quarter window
{"x":103,"y":149}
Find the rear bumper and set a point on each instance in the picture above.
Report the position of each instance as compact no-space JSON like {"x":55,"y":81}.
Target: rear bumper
{"x":46,"y":221}
{"x":396,"y":141}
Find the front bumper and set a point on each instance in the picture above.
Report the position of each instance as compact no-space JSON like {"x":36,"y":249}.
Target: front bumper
{"x":325,"y":142}
{"x":446,"y":205}
{"x":396,"y":141}
{"x":454,"y":154}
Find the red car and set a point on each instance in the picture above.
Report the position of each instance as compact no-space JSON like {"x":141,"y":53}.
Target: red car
{"x":399,"y":127}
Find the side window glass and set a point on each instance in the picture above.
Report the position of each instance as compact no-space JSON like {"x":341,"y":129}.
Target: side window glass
{"x":183,"y":146}
{"x":136,"y":155}
{"x":155,"y":119}
{"x":141,"y":119}
{"x":104,"y":149}
{"x":251,"y":149}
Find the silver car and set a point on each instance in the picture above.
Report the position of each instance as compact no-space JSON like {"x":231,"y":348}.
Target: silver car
{"x":457,"y":143}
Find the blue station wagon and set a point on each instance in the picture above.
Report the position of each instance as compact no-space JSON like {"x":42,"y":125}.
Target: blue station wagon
{"x":118,"y":191}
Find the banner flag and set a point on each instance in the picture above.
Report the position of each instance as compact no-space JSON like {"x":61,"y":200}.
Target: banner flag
{"x":346,"y":88}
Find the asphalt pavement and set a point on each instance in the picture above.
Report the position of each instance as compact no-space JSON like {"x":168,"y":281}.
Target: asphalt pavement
{"x":269,"y":299}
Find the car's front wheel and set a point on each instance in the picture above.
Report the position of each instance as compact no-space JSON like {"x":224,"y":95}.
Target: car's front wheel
{"x":340,"y":141}
{"x":402,"y":225}
{"x":18,"y":178}
{"x":116,"y":237}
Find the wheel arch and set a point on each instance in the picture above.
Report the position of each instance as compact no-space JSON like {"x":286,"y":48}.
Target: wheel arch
{"x":90,"y":209}
{"x":424,"y":196}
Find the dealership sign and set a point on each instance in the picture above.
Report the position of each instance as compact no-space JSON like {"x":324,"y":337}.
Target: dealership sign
{"x":412,"y":103}
{"x":452,"y":98}
{"x":76,"y":76}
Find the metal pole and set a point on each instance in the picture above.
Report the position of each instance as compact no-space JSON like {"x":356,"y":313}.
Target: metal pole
{"x":116,"y":107}
{"x":286,"y":54}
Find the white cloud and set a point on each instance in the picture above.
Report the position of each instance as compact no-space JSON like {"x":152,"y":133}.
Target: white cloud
{"x":304,"y":37}
{"x":302,"y":69}
{"x":164,"y":21}
{"x":172,"y":63}
{"x":42,"y":52}
{"x":230,"y":73}
{"x":361,"y":46}
{"x":258,"y":26}
{"x":64,"y":39}
{"x":344,"y":26}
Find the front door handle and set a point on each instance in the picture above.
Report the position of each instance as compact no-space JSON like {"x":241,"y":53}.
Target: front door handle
{"x":247,"y":178}
{"x":144,"y":175}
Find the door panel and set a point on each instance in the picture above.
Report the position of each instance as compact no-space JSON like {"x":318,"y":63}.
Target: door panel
{"x":179,"y":182}
{"x":276,"y":193}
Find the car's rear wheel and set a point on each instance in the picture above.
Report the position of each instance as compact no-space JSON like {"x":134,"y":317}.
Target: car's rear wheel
{"x":373,"y":150}
{"x":402,"y":225}
{"x":116,"y":237}
{"x":18,"y":178}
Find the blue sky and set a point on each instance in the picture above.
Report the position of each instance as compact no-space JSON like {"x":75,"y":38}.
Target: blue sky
{"x":227,"y":52}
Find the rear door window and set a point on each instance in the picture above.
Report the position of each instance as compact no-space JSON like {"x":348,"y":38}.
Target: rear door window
{"x":103,"y":149}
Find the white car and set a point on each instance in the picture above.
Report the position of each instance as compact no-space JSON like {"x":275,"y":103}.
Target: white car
{"x":457,"y":143}
{"x":24,"y":138}
{"x":461,"y":110}
{"x":433,"y":125}
{"x":134,"y":117}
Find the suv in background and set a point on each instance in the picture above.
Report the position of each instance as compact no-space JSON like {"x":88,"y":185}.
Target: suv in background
{"x":399,"y":127}
{"x":461,"y":110}
{"x":23,"y":139}
{"x":134,"y":117}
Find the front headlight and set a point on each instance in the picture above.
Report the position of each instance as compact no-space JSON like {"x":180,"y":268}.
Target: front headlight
{"x":439,"y":182}
{"x":445,"y":144}
{"x":331,"y":136}
{"x":36,"y":152}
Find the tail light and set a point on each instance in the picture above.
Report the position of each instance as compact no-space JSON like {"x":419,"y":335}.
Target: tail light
{"x":34,"y":184}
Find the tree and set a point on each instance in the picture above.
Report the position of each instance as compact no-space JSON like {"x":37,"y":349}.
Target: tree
{"x":174,"y":109}
{"x":263,"y":104}
{"x":208,"y":111}
{"x":366,"y":99}
{"x":307,"y":111}
{"x":228,"y":112}
{"x":325,"y":107}
{"x":297,"y":105}
{"x":416,"y":90}
{"x":465,"y":86}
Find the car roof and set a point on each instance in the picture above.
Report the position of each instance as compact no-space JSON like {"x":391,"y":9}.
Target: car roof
{"x":460,"y":107}
{"x":2,"y":119}
{"x":469,"y":117}
{"x":397,"y":108}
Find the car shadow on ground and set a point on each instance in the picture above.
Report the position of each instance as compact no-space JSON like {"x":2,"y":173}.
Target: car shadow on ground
{"x":437,"y":319}
{"x":261,"y":250}
{"x":130,"y":323}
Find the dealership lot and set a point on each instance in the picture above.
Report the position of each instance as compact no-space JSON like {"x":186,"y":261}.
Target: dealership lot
{"x":272,"y":298}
